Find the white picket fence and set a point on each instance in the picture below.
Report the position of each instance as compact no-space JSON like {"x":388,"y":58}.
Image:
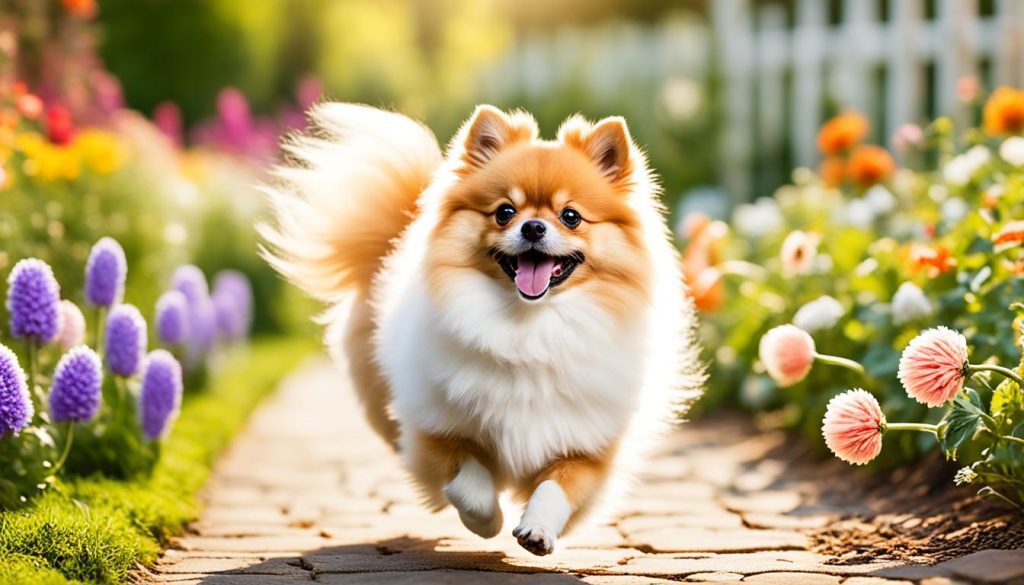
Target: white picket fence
{"x":778,"y":78}
{"x":781,"y":74}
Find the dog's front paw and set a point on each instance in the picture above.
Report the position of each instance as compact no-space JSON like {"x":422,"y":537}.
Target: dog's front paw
{"x":535,"y":537}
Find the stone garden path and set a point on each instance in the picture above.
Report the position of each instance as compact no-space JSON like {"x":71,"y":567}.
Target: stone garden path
{"x":308,"y":493}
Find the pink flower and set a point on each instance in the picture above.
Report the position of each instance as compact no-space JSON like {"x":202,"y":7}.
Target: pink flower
{"x":798,"y":252}
{"x":933,"y":366}
{"x":71,"y":331}
{"x":906,"y":136}
{"x":853,"y":426}
{"x":787,"y":352}
{"x":968,"y":88}
{"x":167,"y":117}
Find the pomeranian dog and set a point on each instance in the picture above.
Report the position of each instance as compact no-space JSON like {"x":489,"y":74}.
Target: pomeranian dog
{"x":512,"y":314}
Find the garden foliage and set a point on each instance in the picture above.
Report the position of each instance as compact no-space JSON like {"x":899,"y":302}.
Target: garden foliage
{"x":864,"y":256}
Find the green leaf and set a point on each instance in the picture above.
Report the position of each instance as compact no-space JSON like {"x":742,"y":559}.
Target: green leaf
{"x":1008,"y":399}
{"x":962,"y":422}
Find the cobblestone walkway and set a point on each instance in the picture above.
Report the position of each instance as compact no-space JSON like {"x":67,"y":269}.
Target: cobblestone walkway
{"x":307,"y":493}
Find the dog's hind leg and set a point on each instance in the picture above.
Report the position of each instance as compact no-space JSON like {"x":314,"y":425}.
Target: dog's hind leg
{"x":455,"y":470}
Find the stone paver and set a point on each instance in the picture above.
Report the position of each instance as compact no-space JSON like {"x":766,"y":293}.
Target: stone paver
{"x":308,"y":494}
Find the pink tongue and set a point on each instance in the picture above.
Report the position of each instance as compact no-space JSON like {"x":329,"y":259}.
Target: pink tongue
{"x":532,"y":277}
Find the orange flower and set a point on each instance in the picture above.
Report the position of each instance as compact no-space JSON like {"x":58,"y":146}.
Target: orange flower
{"x":699,"y":258}
{"x":708,"y":290}
{"x":870,"y":165}
{"x":991,"y":197}
{"x":1004,"y":111}
{"x":693,"y":225}
{"x":29,"y":105}
{"x":81,"y":8}
{"x":1010,"y":236}
{"x":832,"y":171}
{"x":841,"y":133}
{"x":934,"y":260}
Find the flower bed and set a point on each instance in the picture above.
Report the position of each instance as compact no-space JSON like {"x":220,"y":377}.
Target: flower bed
{"x":903,"y":284}
{"x":96,"y":529}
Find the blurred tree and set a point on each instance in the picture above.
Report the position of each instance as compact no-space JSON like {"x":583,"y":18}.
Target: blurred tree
{"x":185,"y":51}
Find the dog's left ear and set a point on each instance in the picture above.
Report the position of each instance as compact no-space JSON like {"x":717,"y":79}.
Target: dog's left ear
{"x":607,"y":143}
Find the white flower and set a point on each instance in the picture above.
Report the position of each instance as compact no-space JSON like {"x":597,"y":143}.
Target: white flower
{"x":821,"y":313}
{"x":857,"y":213}
{"x":798,"y":252}
{"x":880,"y":199}
{"x":758,"y":219}
{"x":961,"y":169}
{"x":910,"y":303}
{"x":1012,"y":151}
{"x":954,"y":209}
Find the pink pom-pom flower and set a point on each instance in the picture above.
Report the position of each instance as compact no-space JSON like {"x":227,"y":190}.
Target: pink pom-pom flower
{"x":934,"y":365}
{"x":787,"y":352}
{"x":71,"y":331}
{"x":853,"y":426}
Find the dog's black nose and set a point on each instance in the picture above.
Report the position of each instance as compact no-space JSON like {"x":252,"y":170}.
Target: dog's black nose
{"x":533,"y":230}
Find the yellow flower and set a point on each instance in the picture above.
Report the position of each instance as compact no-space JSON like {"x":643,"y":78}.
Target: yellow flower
{"x":100,"y":151}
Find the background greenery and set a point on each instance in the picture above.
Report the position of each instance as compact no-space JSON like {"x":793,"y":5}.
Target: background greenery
{"x":426,"y":58}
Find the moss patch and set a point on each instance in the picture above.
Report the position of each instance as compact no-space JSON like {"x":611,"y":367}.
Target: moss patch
{"x":97,"y":530}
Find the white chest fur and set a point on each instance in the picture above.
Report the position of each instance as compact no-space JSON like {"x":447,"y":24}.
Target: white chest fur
{"x":533,"y":382}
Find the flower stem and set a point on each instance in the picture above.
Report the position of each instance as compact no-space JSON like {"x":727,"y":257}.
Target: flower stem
{"x":839,"y":361}
{"x":1012,"y":439}
{"x":33,"y":367}
{"x":98,"y":334}
{"x":1006,"y":372}
{"x":67,"y":449}
{"x":920,"y":427}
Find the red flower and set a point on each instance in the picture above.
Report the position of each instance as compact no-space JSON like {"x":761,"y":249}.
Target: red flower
{"x":59,"y":126}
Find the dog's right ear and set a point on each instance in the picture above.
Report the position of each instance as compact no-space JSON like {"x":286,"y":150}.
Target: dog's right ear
{"x":488,"y":131}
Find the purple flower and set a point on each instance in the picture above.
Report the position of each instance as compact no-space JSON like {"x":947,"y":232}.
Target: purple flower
{"x":15,"y":404}
{"x":172,"y":318}
{"x":160,"y":397}
{"x":190,"y":281}
{"x":105,"y":273}
{"x":125,"y":340}
{"x":202,"y":327}
{"x":75,"y":394}
{"x":72,"y":326}
{"x":33,"y":296}
{"x":232,"y":299}
{"x":202,"y":316}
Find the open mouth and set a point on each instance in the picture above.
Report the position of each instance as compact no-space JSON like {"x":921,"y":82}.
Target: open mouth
{"x":534,"y":273}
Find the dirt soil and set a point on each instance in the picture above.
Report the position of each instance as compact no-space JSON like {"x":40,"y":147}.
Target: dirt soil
{"x":926,"y":521}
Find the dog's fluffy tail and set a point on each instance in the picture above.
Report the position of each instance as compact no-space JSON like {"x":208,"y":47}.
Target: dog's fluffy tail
{"x":348,"y":189}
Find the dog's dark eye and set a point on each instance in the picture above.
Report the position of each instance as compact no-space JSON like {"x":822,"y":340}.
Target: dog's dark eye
{"x":571,"y":218}
{"x":504,"y":214}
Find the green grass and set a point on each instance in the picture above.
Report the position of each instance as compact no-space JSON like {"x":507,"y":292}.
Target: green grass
{"x":97,"y":530}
